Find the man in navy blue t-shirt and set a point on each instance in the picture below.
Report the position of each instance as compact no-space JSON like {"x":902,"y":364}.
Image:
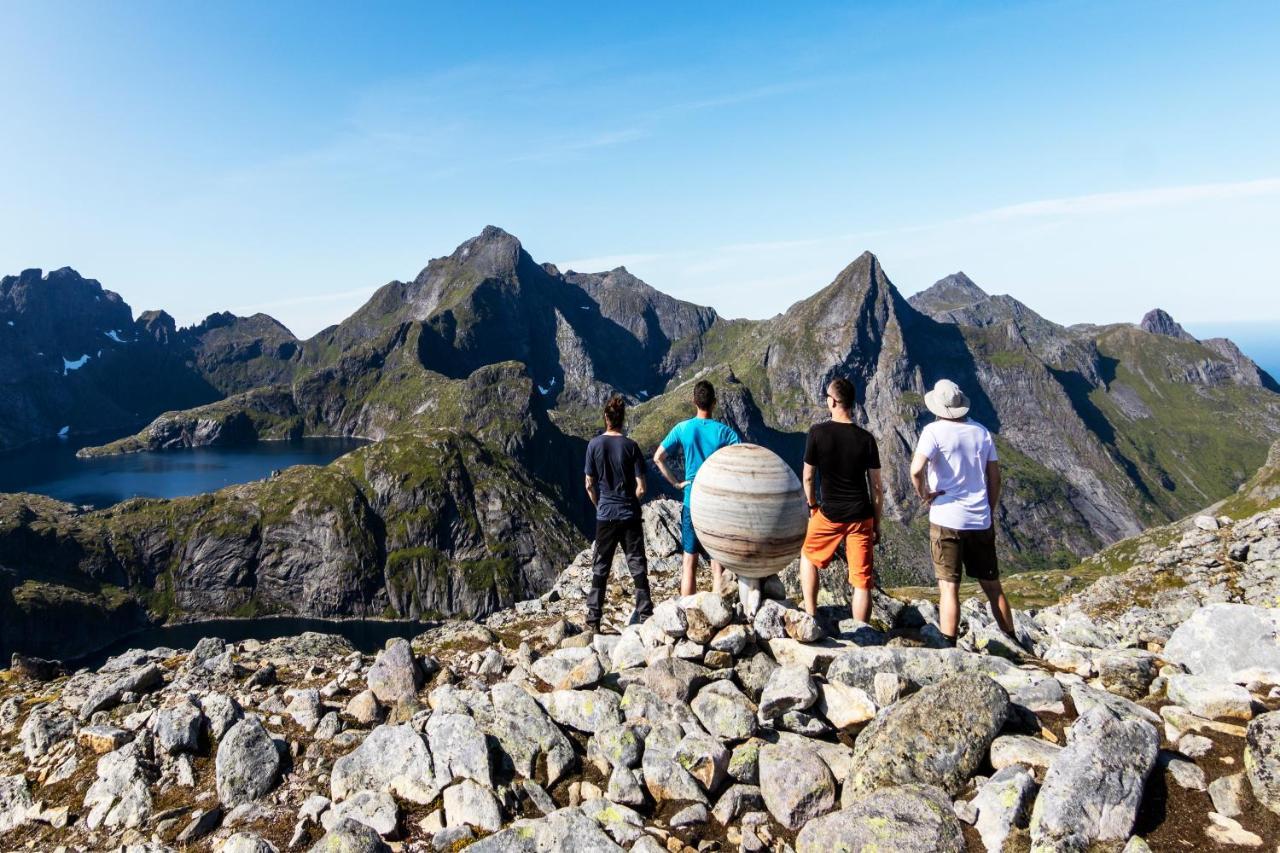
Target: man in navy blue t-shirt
{"x":615,"y":483}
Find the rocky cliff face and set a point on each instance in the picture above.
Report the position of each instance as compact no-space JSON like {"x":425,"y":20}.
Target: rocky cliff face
{"x":73,"y":357}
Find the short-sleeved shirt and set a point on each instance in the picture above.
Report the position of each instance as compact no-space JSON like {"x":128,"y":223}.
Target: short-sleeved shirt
{"x":697,"y":439}
{"x":958,"y":453}
{"x":615,"y":462}
{"x":843,"y":454}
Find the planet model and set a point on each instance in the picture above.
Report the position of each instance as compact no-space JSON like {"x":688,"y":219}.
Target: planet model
{"x":748,"y":510}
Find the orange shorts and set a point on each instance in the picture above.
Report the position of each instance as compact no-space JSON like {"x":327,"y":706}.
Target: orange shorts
{"x":824,"y":536}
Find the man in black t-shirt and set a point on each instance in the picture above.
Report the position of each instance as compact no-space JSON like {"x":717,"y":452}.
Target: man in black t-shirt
{"x":846,"y":458}
{"x":615,"y":483}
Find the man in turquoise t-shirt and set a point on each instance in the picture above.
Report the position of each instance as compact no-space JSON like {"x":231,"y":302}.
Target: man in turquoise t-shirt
{"x":697,"y":438}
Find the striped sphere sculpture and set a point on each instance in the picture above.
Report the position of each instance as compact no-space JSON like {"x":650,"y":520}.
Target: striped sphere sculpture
{"x":748,"y":510}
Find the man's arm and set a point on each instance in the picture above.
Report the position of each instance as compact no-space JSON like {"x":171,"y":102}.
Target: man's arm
{"x":810,"y":490}
{"x":660,"y":460}
{"x":592,"y":491}
{"x":993,"y":483}
{"x":641,"y":487}
{"x":877,"y":498}
{"x":920,"y":479}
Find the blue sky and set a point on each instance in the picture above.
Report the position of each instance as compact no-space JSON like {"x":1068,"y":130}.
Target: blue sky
{"x":1094,"y":160}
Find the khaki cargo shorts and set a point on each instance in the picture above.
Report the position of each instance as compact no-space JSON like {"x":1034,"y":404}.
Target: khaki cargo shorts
{"x":975,"y":550}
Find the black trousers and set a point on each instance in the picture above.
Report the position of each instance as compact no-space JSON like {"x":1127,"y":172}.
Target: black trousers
{"x":609,"y":535}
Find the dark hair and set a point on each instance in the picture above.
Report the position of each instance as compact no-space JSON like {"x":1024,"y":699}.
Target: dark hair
{"x":842,"y":390}
{"x":615,"y":412}
{"x":704,"y":395}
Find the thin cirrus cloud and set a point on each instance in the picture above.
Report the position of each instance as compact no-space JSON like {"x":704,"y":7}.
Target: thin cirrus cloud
{"x":1128,"y":200}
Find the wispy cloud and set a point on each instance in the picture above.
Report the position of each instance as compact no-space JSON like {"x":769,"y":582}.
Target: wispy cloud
{"x":1128,"y":200}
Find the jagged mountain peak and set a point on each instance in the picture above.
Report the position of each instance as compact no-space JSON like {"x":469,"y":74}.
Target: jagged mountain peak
{"x":948,"y":294}
{"x":492,"y":252}
{"x":1157,"y":321}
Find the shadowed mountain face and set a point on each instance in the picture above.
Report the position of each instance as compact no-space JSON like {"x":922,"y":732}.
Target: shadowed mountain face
{"x":1102,"y":430}
{"x":71,"y":355}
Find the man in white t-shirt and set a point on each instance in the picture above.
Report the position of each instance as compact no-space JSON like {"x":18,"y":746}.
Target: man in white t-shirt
{"x":957,"y":475}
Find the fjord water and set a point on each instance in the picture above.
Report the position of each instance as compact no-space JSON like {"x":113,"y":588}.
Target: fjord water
{"x":52,"y":469}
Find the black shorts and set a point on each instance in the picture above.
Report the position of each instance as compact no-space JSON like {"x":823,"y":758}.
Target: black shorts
{"x":975,"y":550}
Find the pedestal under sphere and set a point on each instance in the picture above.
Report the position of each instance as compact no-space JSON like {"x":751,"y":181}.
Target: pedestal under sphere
{"x":748,"y":510}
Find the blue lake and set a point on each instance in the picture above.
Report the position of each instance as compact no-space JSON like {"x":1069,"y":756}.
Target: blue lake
{"x":52,"y":469}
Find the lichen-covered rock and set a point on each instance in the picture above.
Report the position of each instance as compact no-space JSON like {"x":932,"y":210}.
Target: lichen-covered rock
{"x":564,"y":829}
{"x":1221,"y":640}
{"x":725,"y":712}
{"x":585,"y":710}
{"x":247,"y":764}
{"x":789,"y":688}
{"x":178,"y":727}
{"x":458,"y":749}
{"x":1262,"y":759}
{"x":1003,"y":803}
{"x":1210,"y":697}
{"x":904,"y":819}
{"x":1093,"y":787}
{"x":796,"y":784}
{"x":350,"y":836}
{"x":395,"y":676}
{"x":120,"y":796}
{"x":938,"y":736}
{"x":15,"y":802}
{"x":391,"y":758}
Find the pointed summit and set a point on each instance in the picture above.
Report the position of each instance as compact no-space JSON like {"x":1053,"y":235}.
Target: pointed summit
{"x":492,"y":253}
{"x":1158,"y":322}
{"x":954,"y":292}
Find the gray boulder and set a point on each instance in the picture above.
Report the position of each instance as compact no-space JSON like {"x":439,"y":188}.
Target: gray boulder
{"x":351,"y":836}
{"x":921,"y":667}
{"x":246,"y":842}
{"x":525,"y":732}
{"x":305,"y":708}
{"x":222,"y":712}
{"x":375,"y":809}
{"x":469,"y":804}
{"x":585,"y":710}
{"x":1211,"y":698}
{"x":675,"y":680}
{"x":458,"y":749}
{"x":109,"y":688}
{"x":178,"y":727}
{"x":789,"y":688}
{"x":796,"y":784}
{"x":15,"y":802}
{"x":905,"y":819}
{"x":1093,"y":787}
{"x":395,"y":676}
{"x":1221,"y":640}
{"x":725,"y":712}
{"x":120,"y":796}
{"x":563,"y":829}
{"x":1003,"y":803}
{"x":938,"y":736}
{"x":705,"y":759}
{"x":247,"y":764}
{"x":393,"y":759}
{"x":1262,"y":759}
{"x":44,"y":727}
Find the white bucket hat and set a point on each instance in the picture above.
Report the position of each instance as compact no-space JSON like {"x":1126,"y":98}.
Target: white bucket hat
{"x":946,"y":400}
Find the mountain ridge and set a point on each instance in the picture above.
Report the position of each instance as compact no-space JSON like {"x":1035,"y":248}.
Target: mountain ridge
{"x":1102,"y":430}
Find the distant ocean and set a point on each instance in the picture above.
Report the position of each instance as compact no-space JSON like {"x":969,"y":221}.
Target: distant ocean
{"x":1260,"y":341}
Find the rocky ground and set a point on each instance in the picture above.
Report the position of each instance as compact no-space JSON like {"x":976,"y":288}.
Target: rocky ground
{"x":1141,"y":713}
